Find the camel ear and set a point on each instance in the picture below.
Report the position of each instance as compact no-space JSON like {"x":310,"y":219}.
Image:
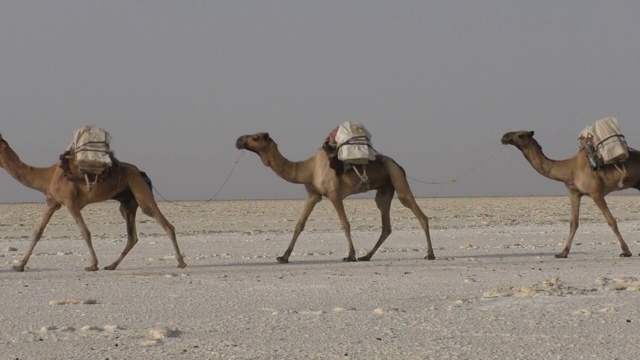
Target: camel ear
{"x":531,"y":133}
{"x":266,"y":137}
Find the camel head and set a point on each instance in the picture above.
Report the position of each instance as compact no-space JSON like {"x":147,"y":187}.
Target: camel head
{"x":256,"y":143}
{"x":519,"y":139}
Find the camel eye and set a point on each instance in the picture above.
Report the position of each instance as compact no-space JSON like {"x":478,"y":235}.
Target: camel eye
{"x":255,"y":138}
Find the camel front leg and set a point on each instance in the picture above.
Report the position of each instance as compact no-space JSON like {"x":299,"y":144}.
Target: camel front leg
{"x":336,"y":200}
{"x":383,"y":201}
{"x":574,"y":198}
{"x":86,"y":235}
{"x":312,"y":200}
{"x":128,"y":212}
{"x":37,"y":234}
{"x":613,"y":224}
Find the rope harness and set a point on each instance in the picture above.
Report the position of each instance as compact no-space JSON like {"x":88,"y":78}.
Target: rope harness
{"x":364,"y":178}
{"x":595,"y":161}
{"x":68,"y":156}
{"x":356,"y":140}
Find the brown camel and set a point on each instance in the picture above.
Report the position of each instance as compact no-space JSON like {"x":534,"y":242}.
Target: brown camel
{"x":319,"y":179}
{"x":580,"y":180}
{"x":125,"y":184}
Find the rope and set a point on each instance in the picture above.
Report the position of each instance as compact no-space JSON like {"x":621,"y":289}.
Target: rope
{"x":364,"y":178}
{"x":212,"y":197}
{"x":464,"y":173}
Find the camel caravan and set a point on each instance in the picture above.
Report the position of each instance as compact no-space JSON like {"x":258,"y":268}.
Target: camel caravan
{"x":345,"y":164}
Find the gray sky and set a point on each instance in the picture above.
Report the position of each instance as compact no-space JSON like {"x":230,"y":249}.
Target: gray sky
{"x":436,"y":82}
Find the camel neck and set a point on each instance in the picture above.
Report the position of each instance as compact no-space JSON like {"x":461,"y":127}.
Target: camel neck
{"x":286,"y":169}
{"x":32,"y":177}
{"x":542,"y":164}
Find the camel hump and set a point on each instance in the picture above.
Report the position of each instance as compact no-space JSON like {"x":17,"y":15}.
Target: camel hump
{"x":91,"y":149}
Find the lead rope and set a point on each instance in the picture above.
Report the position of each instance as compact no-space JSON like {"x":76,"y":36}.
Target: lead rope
{"x":214,"y":195}
{"x":464,"y":173}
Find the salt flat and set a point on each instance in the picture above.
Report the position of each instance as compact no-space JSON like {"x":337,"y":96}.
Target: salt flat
{"x":494,"y":291}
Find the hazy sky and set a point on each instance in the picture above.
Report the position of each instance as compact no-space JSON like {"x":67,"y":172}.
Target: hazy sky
{"x":437,"y":83}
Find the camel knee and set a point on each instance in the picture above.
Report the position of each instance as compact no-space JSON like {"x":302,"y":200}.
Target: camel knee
{"x":404,"y":200}
{"x":386,"y":232}
{"x":170,"y":228}
{"x":86,"y":234}
{"x":573,"y":224}
{"x":147,"y":210}
{"x":37,"y":233}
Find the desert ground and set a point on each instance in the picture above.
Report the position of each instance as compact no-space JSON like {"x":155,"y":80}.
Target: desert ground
{"x":495,"y":291}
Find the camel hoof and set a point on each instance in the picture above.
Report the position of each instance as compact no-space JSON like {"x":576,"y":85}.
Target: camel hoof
{"x":626,"y":254}
{"x":91,"y":268}
{"x":349,"y":259}
{"x":18,"y":268}
{"x":560,"y":256}
{"x":282,"y":260}
{"x":182,"y":265}
{"x":364,"y":258}
{"x":430,"y":257}
{"x":110,"y":267}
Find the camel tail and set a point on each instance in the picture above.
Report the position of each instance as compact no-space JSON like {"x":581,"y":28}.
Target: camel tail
{"x":147,"y":179}
{"x":398,"y":176}
{"x":401,"y":168}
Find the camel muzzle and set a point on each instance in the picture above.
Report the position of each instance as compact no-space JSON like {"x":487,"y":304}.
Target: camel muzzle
{"x":240,"y":143}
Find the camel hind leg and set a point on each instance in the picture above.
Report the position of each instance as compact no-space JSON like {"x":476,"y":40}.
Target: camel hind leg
{"x":51,"y":208}
{"x":399,"y":181}
{"x":613,"y":224}
{"x":128,"y":210}
{"x":149,"y":207}
{"x":383,"y":201}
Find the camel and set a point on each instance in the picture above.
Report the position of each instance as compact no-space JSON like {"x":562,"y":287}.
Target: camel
{"x":580,"y":179}
{"x":125,"y":184}
{"x":320,"y":179}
